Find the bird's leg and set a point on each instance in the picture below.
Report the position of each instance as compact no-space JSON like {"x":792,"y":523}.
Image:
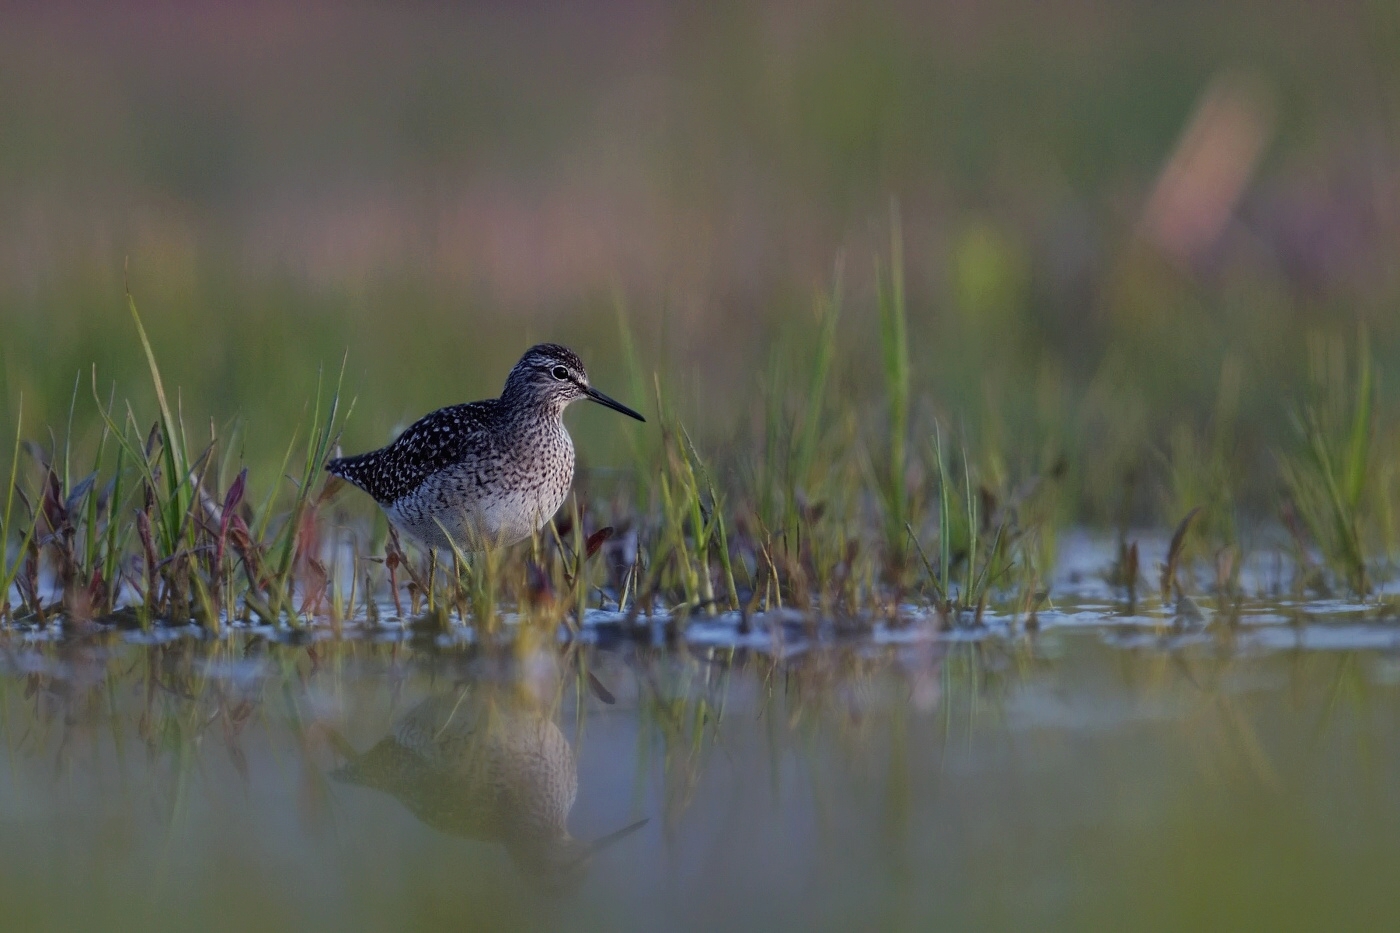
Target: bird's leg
{"x":393,"y":554}
{"x":392,"y":562}
{"x":432,"y":579}
{"x":457,"y":589}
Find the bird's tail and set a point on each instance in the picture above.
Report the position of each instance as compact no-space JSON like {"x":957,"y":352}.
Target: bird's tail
{"x":350,"y":469}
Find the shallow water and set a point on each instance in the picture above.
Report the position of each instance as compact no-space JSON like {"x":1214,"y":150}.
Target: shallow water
{"x":1076,"y":778}
{"x":1116,"y":765}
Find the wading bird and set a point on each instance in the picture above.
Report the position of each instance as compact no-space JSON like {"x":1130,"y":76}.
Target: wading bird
{"x":484,"y":474}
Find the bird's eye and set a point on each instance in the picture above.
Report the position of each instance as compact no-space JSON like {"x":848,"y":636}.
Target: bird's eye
{"x":560,"y":373}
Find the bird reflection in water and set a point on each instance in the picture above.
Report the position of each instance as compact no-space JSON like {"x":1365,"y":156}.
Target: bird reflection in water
{"x":485,"y":765}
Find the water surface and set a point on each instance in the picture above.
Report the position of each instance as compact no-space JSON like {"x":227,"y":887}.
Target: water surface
{"x":1072,"y":778}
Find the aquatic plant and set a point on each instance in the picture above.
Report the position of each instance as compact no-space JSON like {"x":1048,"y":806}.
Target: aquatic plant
{"x":144,"y":526}
{"x":1328,"y":475}
{"x":892,"y":477}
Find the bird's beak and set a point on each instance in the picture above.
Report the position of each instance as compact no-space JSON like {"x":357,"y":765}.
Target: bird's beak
{"x":616,"y":836}
{"x":606,"y":402}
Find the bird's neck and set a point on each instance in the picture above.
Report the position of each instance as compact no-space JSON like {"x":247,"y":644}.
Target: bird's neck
{"x":531,"y":408}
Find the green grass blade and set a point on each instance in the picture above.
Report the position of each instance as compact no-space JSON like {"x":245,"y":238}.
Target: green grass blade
{"x":968,"y":592}
{"x":894,"y":339}
{"x":811,"y":419}
{"x":176,"y":464}
{"x":945,"y":517}
{"x":11,"y":483}
{"x":1359,"y":439}
{"x":68,"y":437}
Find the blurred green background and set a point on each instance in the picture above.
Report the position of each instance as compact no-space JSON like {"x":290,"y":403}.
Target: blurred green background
{"x":1120,"y":221}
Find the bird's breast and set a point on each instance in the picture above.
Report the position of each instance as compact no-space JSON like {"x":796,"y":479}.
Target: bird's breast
{"x":492,"y":503}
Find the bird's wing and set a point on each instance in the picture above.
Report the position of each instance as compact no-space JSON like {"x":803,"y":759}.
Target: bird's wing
{"x":445,"y":732}
{"x":447,"y":437}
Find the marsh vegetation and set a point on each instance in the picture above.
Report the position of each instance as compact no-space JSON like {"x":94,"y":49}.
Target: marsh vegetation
{"x":846,"y":525}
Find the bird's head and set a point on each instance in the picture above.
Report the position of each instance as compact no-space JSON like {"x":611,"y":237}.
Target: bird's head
{"x":554,"y":376}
